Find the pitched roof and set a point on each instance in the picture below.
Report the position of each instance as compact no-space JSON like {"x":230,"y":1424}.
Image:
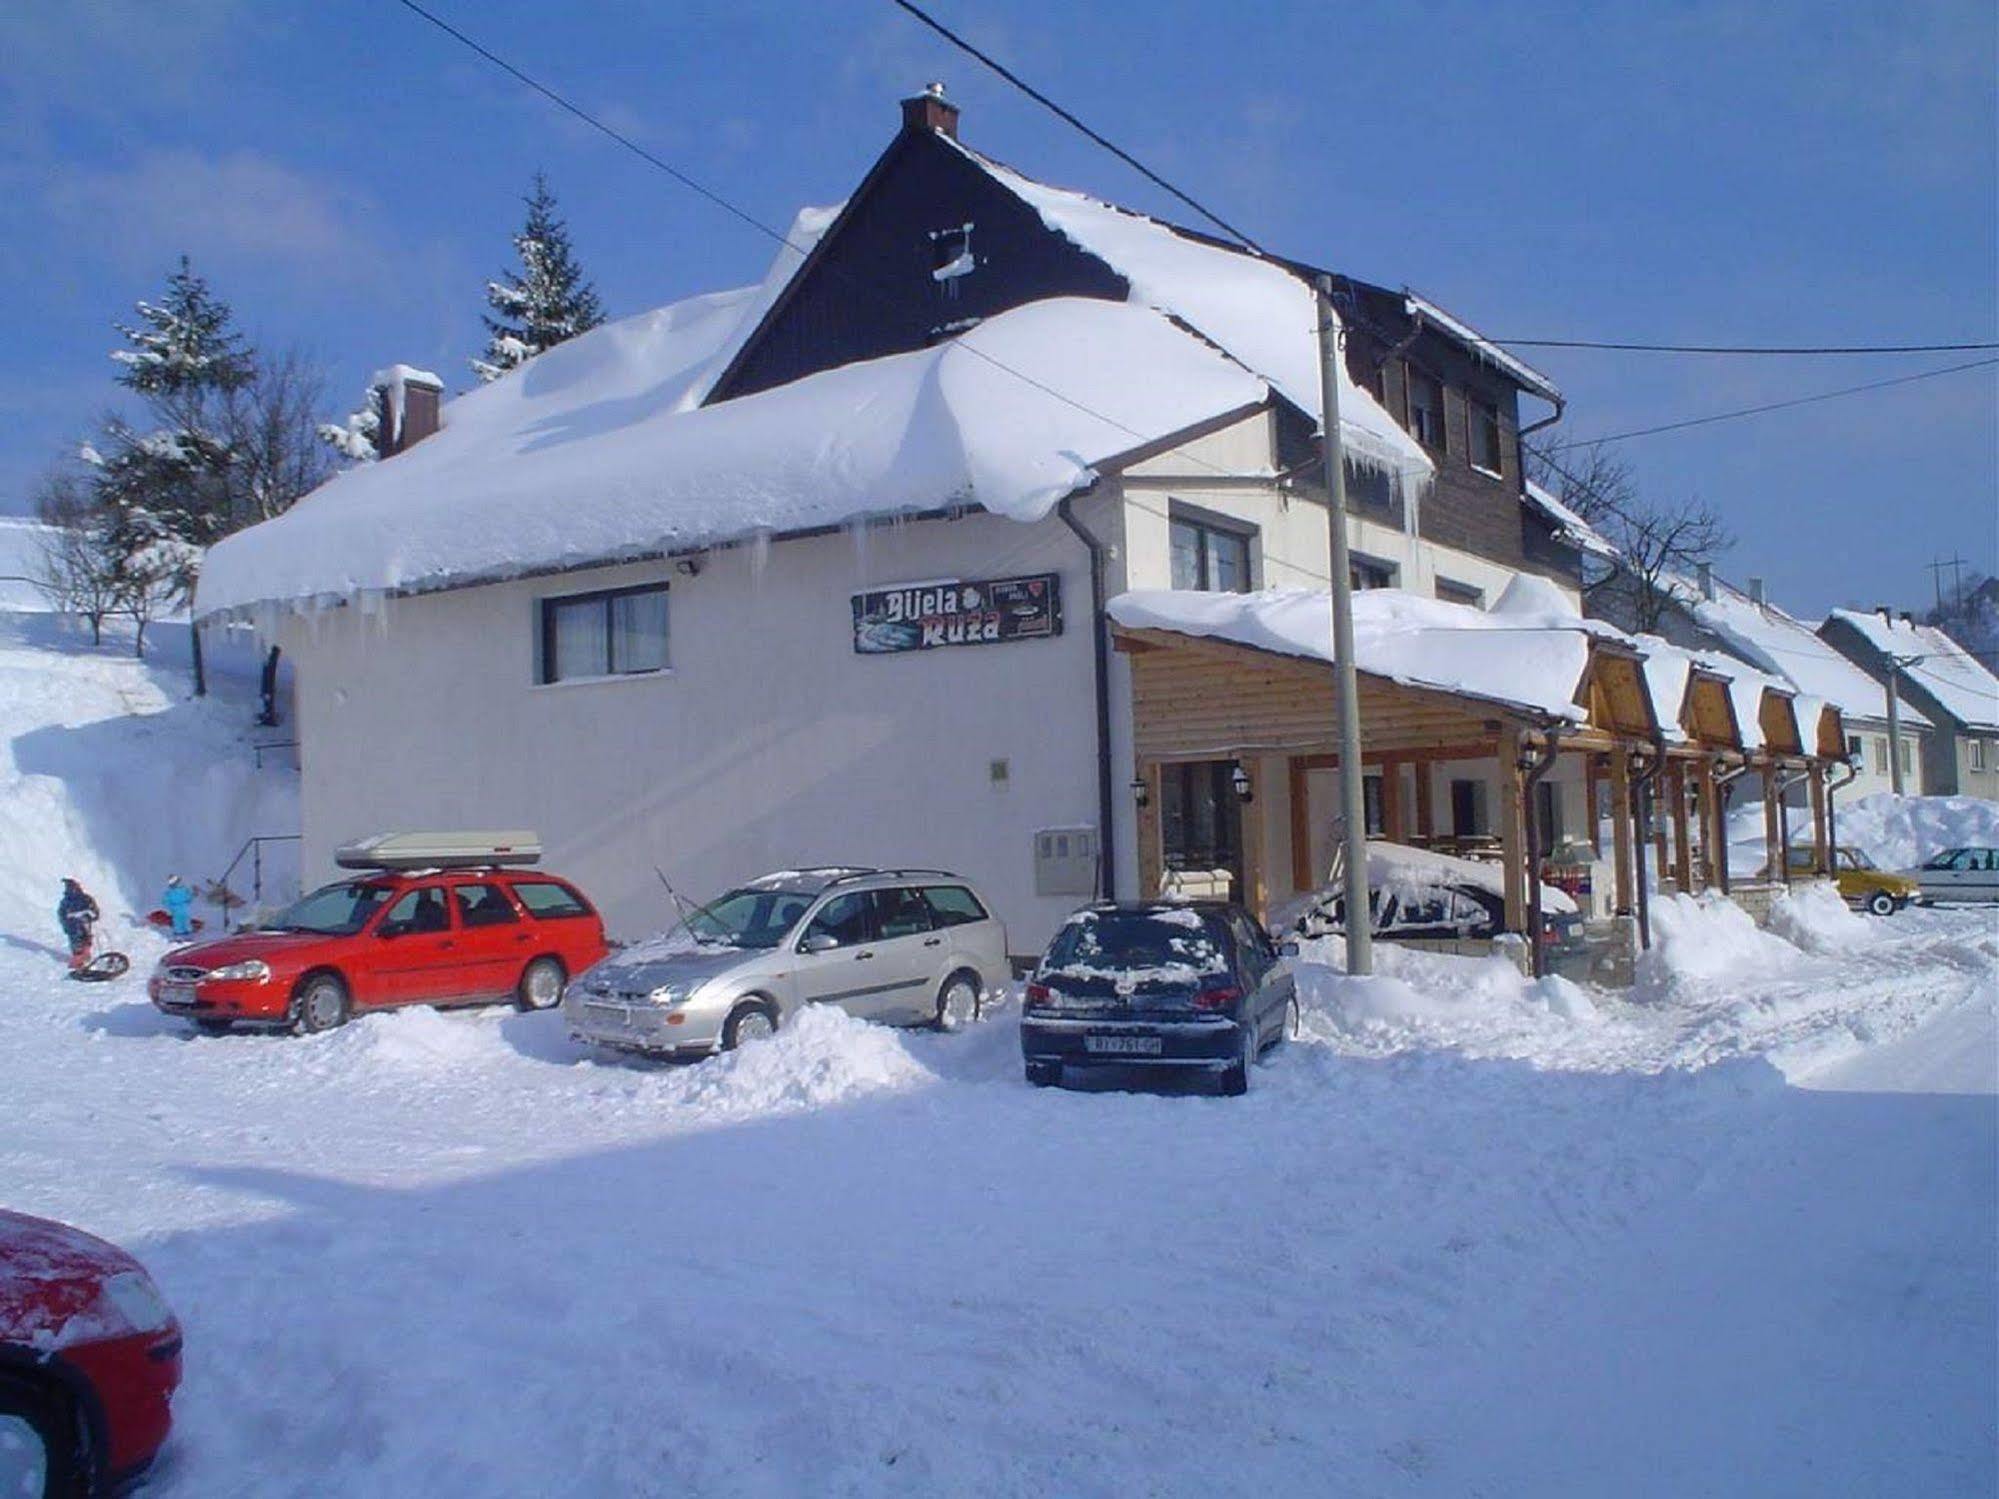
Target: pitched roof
{"x":1768,"y":638}
{"x":1936,"y":664}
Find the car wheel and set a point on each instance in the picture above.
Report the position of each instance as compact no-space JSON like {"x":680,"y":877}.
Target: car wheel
{"x":320,"y":1006}
{"x":755,"y":1021}
{"x":1044,"y":1074}
{"x":1235,"y":1077}
{"x":540,"y":987}
{"x":1881,"y":903}
{"x":957,"y":1002}
{"x":43,"y":1451}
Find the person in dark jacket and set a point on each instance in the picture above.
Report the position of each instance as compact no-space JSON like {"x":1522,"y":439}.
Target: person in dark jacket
{"x":77,"y":913}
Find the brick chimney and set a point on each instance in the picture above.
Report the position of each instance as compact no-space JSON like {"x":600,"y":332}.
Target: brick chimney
{"x":411,"y":399}
{"x":1756,"y":592}
{"x":1705,"y":573}
{"x":930,"y":110}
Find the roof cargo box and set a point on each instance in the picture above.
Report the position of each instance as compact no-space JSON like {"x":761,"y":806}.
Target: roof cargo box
{"x":471,"y":849}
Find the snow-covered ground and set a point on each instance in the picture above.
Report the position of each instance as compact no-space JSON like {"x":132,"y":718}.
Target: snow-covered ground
{"x":1733,"y":1234}
{"x":1896,"y":832}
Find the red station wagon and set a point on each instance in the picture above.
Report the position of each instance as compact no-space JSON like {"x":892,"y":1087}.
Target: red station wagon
{"x":474,"y":933}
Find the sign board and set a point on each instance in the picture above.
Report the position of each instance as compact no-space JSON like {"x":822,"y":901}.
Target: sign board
{"x":929,"y":615}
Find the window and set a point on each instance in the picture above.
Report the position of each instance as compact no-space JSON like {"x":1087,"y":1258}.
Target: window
{"x":953,"y":905}
{"x":548,"y":901}
{"x":1371,"y":813}
{"x":1880,"y":755}
{"x":1426,"y":410}
{"x":1369,"y":572}
{"x":421,"y":910}
{"x":482,"y":905}
{"x":1468,"y":817}
{"x":1200,"y":817}
{"x":1907,"y":756}
{"x":1485,"y":439}
{"x":951,"y":259}
{"x":847,"y":919}
{"x":1855,"y":751}
{"x":1452,"y":592}
{"x":900,"y":912}
{"x":617,"y":633}
{"x":1977,"y":754}
{"x":1209,"y":558}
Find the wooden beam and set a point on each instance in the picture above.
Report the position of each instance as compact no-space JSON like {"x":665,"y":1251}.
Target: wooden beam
{"x":1426,"y":819}
{"x":1675,"y":779}
{"x":1302,"y":876}
{"x":1620,"y":831}
{"x":1592,"y":778}
{"x":1151,"y":839}
{"x":1391,"y":801}
{"x":1255,"y":893}
{"x":1513,"y":830}
{"x":1822,"y":854}
{"x":1777,"y":858}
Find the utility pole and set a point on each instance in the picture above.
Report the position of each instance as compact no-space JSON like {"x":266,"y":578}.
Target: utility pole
{"x":1895,"y":665}
{"x":1346,"y":692}
{"x":1955,"y":564}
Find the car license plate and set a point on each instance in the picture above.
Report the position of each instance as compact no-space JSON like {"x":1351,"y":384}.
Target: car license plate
{"x":1122,"y":1046}
{"x":181,"y":996}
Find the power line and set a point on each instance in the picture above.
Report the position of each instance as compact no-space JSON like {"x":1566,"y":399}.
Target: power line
{"x":1742,"y":411}
{"x":1777,"y":349}
{"x":1056,"y":109}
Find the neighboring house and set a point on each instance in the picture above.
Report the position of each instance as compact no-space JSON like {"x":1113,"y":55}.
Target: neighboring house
{"x":1706,"y":614}
{"x":23,"y":544}
{"x":1955,"y":691}
{"x":819,"y":570}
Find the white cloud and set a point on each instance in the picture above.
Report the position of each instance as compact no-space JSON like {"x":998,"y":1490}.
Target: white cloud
{"x":238,"y":206}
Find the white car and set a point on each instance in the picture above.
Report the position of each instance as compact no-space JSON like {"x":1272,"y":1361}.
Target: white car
{"x":1960,"y":875}
{"x":902,"y":946}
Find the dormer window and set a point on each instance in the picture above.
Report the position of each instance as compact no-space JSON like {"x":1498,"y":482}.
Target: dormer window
{"x":951,"y":259}
{"x":1426,"y":410}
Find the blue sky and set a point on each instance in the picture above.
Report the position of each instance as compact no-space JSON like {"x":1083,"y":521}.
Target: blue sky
{"x":1781,"y":172}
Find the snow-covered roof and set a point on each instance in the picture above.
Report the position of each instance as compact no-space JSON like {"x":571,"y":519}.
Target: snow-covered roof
{"x":1260,"y":312}
{"x":1521,"y":372}
{"x":1528,"y":651}
{"x":1953,"y":676}
{"x":1569,"y":526}
{"x":595,"y":450}
{"x":1777,"y":643}
{"x":1519,"y":660}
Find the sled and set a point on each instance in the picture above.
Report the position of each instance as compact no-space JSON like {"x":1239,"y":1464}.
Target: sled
{"x":162,"y":919}
{"x":106,"y":965}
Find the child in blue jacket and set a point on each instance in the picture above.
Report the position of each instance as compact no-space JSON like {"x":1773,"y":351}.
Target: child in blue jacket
{"x":178,"y":898}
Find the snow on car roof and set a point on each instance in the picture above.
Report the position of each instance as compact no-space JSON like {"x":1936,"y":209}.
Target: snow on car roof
{"x":592,"y":452}
{"x":1946,"y":671}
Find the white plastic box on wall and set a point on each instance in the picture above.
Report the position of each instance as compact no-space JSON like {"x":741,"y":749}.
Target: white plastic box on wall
{"x":1065,"y":861}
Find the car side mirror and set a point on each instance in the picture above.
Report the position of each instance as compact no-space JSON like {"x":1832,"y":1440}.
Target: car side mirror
{"x":818,"y":942}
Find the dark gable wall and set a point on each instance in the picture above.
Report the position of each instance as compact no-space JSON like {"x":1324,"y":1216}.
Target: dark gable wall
{"x":869,"y":291}
{"x":1466,"y":508}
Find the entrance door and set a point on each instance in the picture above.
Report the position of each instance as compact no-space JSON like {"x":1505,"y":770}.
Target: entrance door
{"x":1200,"y":824}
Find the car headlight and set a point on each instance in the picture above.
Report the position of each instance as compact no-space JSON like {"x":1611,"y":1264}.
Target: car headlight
{"x":668,"y":994}
{"x":253,"y":971}
{"x":138,"y":1301}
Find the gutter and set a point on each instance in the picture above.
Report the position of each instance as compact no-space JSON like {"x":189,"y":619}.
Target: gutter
{"x":1784,"y":785}
{"x":1101,"y":666}
{"x":1832,"y":819}
{"x":1724,"y":788}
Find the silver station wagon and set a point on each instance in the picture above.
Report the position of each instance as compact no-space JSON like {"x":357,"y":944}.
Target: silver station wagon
{"x":902,"y":946}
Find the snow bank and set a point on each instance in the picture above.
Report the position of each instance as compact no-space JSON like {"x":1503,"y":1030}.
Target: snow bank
{"x":589,"y":454}
{"x":822,"y":1056}
{"x":1813,"y":917}
{"x":1430,"y":999}
{"x":1900,"y":832}
{"x":1706,"y":939}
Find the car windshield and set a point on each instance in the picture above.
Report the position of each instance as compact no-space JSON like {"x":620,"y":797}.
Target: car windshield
{"x":1151,"y":947}
{"x":337,"y":910}
{"x":1945,"y":860}
{"x":1853,"y":858}
{"x":747,"y":918}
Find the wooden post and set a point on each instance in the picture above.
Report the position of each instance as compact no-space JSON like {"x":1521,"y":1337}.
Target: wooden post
{"x":1592,"y":778}
{"x":1151,"y":850}
{"x":1620,"y":830}
{"x":1426,"y":821}
{"x":1683,"y":848}
{"x":1513,"y":830}
{"x":1255,"y":893}
{"x":1822,"y":854}
{"x":1705,"y":810}
{"x":1776,"y":856}
{"x":1303,"y":876}
{"x":1391,"y":801}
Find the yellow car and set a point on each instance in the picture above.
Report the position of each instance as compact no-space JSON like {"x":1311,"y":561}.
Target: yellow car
{"x":1860,"y":883}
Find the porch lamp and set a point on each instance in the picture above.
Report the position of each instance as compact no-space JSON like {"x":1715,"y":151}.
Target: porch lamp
{"x":1239,"y":782}
{"x":1141,"y":792}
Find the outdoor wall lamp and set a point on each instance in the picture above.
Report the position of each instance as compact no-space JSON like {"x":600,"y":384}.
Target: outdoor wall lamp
{"x":1239,"y":782}
{"x":1141,"y":792}
{"x":688,"y":567}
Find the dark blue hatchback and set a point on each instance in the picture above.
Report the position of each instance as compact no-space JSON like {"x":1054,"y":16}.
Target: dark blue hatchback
{"x":1156,"y":984}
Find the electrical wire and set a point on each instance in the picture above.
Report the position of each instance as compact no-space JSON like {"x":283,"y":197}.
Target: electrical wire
{"x":1742,"y":411}
{"x":1773,"y":349}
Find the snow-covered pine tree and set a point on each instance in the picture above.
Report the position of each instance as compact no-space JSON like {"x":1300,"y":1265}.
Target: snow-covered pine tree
{"x":543,"y":303}
{"x":357,"y":438}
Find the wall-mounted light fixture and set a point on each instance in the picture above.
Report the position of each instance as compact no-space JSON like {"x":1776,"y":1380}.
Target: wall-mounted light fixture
{"x":1239,"y":782}
{"x":1141,"y":792}
{"x":688,"y":567}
